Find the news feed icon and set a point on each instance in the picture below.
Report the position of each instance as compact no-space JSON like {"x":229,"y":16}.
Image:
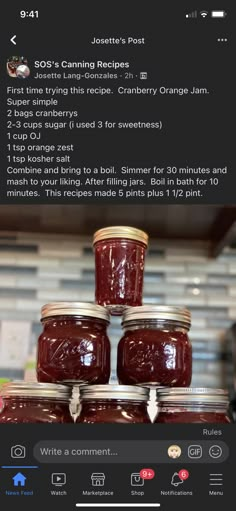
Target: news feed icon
{"x":17,"y":67}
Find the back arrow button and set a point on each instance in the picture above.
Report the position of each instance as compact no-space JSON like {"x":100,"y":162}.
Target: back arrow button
{"x":13,"y":39}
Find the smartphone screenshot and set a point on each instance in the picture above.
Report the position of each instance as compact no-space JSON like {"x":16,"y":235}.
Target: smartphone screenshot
{"x":117,"y":256}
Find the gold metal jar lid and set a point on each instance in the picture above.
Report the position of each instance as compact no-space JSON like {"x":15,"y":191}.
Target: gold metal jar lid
{"x":82,"y":309}
{"x":157,"y":312}
{"x":36,"y":390}
{"x":121,"y":392}
{"x":120,"y":231}
{"x":193,"y":395}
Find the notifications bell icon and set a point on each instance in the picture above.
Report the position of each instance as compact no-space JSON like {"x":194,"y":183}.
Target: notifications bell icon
{"x":175,"y":481}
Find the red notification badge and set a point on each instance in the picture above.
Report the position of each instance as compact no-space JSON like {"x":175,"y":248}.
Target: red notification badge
{"x":183,"y":474}
{"x":147,"y":473}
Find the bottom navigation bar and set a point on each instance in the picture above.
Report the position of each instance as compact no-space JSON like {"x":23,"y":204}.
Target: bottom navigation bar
{"x":121,"y":504}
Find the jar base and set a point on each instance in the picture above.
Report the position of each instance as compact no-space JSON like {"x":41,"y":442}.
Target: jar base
{"x":150,"y":385}
{"x":116,"y":310}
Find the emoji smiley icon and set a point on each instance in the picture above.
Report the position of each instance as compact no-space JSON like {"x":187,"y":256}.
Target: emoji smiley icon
{"x":215,"y":451}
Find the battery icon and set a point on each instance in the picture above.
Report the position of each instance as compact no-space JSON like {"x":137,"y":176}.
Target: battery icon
{"x":218,"y":14}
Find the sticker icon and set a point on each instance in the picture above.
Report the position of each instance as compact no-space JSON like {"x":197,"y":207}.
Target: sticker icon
{"x":174,"y":451}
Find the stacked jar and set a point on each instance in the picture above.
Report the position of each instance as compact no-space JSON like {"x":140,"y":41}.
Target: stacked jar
{"x":155,"y":349}
{"x":29,"y":403}
{"x":119,"y":269}
{"x":74,"y":348}
{"x":154,"y":352}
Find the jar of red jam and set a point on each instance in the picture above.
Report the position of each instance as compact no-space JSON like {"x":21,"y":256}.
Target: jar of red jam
{"x":119,"y":266}
{"x":155,"y":348}
{"x":113,"y":404}
{"x":2,"y":381}
{"x":74,"y":344}
{"x":25,"y":402}
{"x":192,"y":405}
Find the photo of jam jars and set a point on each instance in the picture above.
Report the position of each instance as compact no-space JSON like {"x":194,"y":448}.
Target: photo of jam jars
{"x":117,"y":404}
{"x":192,"y":405}
{"x":74,"y":345}
{"x":155,"y":348}
{"x":43,"y":403}
{"x":119,"y":267}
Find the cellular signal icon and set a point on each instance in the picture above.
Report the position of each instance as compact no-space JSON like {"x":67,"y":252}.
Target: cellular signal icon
{"x":204,"y":14}
{"x":192,"y":15}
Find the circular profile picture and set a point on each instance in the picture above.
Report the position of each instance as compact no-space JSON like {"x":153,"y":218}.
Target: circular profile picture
{"x":174,"y":451}
{"x":13,"y":63}
{"x":22,"y":71}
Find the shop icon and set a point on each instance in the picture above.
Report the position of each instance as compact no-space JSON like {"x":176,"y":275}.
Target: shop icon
{"x":136,"y":479}
{"x":98,"y":479}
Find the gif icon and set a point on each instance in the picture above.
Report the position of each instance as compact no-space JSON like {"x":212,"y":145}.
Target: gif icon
{"x":195,"y":451}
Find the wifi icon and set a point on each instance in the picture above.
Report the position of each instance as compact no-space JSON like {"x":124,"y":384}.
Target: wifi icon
{"x":204,"y":14}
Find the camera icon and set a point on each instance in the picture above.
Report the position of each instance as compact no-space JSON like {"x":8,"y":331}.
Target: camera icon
{"x":18,"y":451}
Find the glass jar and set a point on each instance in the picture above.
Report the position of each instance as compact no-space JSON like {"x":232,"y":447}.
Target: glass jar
{"x":155,"y":348}
{"x":119,"y":267}
{"x":192,"y":405}
{"x":113,"y":404}
{"x":74,"y":344}
{"x":25,"y":402}
{"x":2,"y":381}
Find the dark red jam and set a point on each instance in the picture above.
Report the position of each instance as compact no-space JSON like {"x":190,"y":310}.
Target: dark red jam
{"x":190,"y":406}
{"x":188,"y":417}
{"x":113,"y":404}
{"x":155,"y":348}
{"x":119,"y":267}
{"x":74,"y":346}
{"x":34,"y":403}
